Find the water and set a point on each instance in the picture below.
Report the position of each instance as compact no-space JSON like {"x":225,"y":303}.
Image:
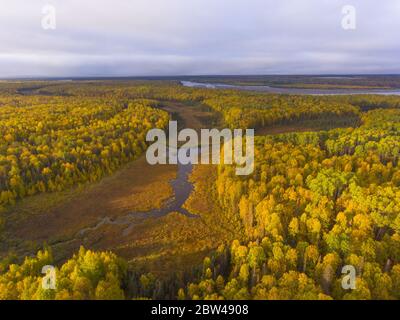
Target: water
{"x":299,"y":91}
{"x":182,"y":188}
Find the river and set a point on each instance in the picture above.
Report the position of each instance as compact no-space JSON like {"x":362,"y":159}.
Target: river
{"x":182,"y":188}
{"x":299,"y":91}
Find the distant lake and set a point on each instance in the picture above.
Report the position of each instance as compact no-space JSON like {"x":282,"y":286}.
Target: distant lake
{"x":269,"y":89}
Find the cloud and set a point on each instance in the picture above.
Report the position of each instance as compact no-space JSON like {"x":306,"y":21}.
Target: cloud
{"x":175,"y":37}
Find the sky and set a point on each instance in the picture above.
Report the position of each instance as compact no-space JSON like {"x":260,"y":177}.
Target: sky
{"x":197,"y":37}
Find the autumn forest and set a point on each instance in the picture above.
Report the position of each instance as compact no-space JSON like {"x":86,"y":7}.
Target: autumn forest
{"x":77,"y":193}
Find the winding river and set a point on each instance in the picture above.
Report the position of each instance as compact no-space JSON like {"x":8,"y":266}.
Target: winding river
{"x":182,"y":188}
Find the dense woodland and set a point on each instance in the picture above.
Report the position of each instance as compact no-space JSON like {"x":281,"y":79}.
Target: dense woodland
{"x":52,"y":143}
{"x":316,"y":201}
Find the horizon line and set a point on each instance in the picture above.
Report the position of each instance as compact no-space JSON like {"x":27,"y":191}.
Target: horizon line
{"x":133,"y":77}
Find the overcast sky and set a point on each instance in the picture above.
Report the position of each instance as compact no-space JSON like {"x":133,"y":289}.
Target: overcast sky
{"x":195,"y":37}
